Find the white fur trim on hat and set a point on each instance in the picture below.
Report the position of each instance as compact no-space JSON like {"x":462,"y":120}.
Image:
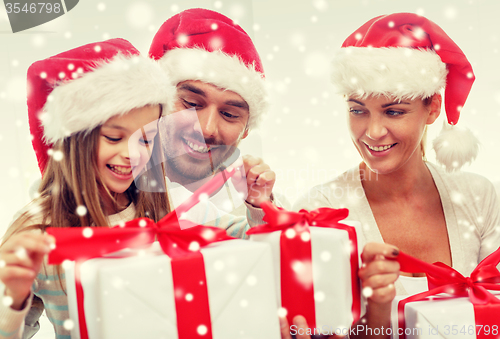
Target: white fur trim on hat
{"x":112,"y":88}
{"x":222,"y":70}
{"x":404,"y":73}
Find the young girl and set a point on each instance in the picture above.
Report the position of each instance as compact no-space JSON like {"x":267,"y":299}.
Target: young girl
{"x":94,"y":114}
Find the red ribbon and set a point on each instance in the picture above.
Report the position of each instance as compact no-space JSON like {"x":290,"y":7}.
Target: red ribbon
{"x":296,"y":297}
{"x":444,"y":279}
{"x":188,"y":269}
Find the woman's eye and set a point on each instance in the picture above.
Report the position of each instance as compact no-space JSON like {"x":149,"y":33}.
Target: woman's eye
{"x":112,"y":139}
{"x":355,"y":111}
{"x":394,"y":113}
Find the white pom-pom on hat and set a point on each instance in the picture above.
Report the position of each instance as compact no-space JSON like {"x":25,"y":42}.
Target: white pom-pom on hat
{"x":455,"y":146}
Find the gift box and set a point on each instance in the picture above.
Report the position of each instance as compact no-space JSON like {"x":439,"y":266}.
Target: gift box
{"x":315,"y":265}
{"x":454,"y":307}
{"x":208,"y":286}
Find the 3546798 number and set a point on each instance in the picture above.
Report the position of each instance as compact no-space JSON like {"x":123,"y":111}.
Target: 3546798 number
{"x":34,"y":7}
{"x":479,"y":330}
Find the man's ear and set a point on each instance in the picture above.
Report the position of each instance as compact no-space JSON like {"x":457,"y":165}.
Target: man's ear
{"x":245,"y":134}
{"x":434,"y":108}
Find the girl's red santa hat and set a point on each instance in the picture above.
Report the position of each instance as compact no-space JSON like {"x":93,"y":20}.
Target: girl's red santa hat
{"x":82,"y":88}
{"x":408,"y":56}
{"x":199,"y":44}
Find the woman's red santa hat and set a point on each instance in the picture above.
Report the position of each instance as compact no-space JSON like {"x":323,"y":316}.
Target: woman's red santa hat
{"x":199,"y":44}
{"x":82,"y":88}
{"x":408,"y":56}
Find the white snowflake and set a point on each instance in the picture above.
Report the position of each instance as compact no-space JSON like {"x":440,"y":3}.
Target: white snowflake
{"x":140,"y":14}
{"x":320,"y":5}
{"x":218,"y":265}
{"x":251,"y":280}
{"x":87,"y":232}
{"x":282,"y":312}
{"x":450,"y":13}
{"x":202,"y":330}
{"x":319,"y":296}
{"x":231,"y":278}
{"x":81,"y":210}
{"x":367,"y":292}
{"x":194,"y":246}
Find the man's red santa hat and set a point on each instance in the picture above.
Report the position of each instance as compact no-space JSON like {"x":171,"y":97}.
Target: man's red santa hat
{"x":82,"y":88}
{"x":407,"y":56}
{"x":199,"y":44}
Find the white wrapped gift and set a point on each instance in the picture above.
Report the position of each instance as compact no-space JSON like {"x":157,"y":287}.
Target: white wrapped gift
{"x":328,"y":269}
{"x":133,"y":297}
{"x":443,"y":317}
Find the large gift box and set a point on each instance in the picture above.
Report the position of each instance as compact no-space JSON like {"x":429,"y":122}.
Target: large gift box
{"x":208,"y":286}
{"x":454,"y":307}
{"x":315,"y":265}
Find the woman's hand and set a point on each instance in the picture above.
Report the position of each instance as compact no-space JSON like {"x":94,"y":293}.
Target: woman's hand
{"x":378,"y":273}
{"x":21,"y":257}
{"x":299,"y":329}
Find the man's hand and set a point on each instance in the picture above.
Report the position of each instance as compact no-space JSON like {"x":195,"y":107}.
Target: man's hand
{"x":259,"y":180}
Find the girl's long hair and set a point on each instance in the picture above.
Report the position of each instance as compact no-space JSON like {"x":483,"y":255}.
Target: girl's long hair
{"x":73,"y":180}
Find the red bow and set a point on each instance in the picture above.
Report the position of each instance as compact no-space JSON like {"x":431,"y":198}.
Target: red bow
{"x":83,"y":243}
{"x":279,"y":219}
{"x":444,"y":279}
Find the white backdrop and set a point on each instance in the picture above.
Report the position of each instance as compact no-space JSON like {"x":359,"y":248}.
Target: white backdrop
{"x":304,"y":137}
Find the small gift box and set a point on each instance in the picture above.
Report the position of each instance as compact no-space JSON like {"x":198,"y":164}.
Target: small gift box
{"x":315,"y":265}
{"x":192,"y":283}
{"x":454,"y":307}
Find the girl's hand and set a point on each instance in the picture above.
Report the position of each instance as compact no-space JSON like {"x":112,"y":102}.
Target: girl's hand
{"x":21,"y":257}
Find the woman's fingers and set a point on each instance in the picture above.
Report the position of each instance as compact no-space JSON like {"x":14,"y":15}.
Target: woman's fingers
{"x":373,"y":251}
{"x":284,"y":328}
{"x":377,"y":267}
{"x":301,"y":324}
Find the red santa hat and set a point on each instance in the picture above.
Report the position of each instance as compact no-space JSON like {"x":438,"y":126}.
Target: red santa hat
{"x":82,"y":88}
{"x":199,"y":44}
{"x":408,"y":56}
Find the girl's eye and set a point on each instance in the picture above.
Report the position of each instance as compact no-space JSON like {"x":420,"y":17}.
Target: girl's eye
{"x":112,"y":139}
{"x":394,"y":113}
{"x":145,"y":141}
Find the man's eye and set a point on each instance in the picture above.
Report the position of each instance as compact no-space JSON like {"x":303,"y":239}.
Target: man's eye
{"x":190,"y":104}
{"x":112,"y":139}
{"x":229,"y":115}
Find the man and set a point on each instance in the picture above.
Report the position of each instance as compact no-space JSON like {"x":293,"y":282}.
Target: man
{"x":221,"y":97}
